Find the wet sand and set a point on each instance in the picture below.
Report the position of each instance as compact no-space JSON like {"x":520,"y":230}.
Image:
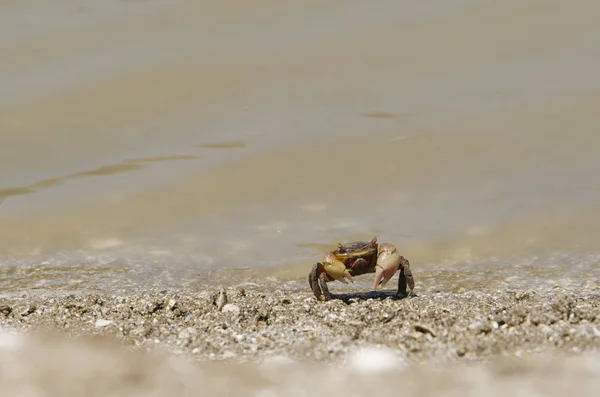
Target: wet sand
{"x":176,"y":341}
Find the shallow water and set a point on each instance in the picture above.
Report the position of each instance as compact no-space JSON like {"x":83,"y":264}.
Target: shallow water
{"x":156,"y":141}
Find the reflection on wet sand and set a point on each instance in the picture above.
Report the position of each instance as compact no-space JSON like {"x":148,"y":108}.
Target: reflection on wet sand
{"x":161,"y":159}
{"x":125,"y":166}
{"x":224,"y":145}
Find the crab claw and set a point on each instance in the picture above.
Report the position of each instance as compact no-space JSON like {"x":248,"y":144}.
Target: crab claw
{"x":388,"y":262}
{"x":336,"y":269}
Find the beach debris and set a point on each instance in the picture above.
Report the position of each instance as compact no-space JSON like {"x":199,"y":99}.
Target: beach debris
{"x":221,"y":299}
{"x":424,"y":329}
{"x":6,"y":310}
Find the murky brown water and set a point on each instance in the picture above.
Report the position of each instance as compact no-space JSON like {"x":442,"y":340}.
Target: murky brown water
{"x":170,"y":138}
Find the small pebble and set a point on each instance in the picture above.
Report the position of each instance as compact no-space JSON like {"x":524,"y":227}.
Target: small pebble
{"x":479,"y":327}
{"x":172,"y":304}
{"x":231,"y":308}
{"x":238,"y":338}
{"x":102,"y":323}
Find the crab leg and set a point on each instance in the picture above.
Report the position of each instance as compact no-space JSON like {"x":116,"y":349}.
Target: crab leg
{"x":317,"y":279}
{"x":405,"y":277}
{"x":324,"y":290}
{"x":313,"y":279}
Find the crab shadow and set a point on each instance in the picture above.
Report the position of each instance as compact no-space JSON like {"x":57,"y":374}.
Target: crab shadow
{"x":375,"y":295}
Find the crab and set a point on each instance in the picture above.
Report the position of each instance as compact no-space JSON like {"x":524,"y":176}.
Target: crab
{"x":361,"y":257}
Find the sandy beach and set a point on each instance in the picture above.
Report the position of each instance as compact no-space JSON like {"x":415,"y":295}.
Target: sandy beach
{"x":182,"y":342}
